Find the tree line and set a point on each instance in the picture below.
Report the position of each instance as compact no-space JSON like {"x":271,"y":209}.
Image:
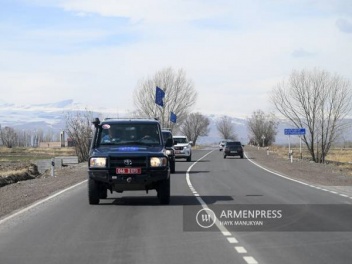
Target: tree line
{"x":12,"y":137}
{"x":313,"y":99}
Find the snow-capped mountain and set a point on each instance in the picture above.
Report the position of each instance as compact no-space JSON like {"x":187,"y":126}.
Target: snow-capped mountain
{"x":52,"y":116}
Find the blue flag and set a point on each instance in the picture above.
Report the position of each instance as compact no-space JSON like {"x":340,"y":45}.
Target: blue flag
{"x":173,"y":117}
{"x":159,"y":96}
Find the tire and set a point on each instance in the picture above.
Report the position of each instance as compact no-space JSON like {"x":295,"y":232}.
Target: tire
{"x":224,"y":156}
{"x":164,"y":191}
{"x":103,"y":192}
{"x":172,"y":166}
{"x":189,"y":159}
{"x":241,"y":156}
{"x":93,"y":191}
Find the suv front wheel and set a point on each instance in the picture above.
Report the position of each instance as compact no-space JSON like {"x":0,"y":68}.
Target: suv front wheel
{"x":164,"y":191}
{"x":94,"y":192}
{"x":172,"y":166}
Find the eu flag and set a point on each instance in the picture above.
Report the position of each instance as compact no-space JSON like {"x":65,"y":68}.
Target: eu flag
{"x":173,"y":117}
{"x":159,"y":96}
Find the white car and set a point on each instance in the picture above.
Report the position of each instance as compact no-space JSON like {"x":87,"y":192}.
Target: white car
{"x":183,"y":148}
{"x":222,"y":144}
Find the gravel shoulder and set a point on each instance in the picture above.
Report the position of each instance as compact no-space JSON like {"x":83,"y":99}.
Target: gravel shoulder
{"x":327,"y":176}
{"x":16,"y":196}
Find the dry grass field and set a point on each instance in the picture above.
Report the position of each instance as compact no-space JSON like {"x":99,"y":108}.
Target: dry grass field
{"x":30,"y":154}
{"x":16,"y":160}
{"x":342,"y":157}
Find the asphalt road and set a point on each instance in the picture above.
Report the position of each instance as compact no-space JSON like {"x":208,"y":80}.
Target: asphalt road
{"x":133,"y":228}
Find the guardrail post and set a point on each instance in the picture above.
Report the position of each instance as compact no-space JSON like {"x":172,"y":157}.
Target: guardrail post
{"x":52,"y":167}
{"x":291,"y":155}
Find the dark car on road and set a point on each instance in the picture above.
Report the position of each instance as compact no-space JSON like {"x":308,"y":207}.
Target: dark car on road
{"x":233,"y":148}
{"x":128,"y":155}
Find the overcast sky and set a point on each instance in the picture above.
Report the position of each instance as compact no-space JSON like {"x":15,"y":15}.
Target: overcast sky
{"x":235,"y":52}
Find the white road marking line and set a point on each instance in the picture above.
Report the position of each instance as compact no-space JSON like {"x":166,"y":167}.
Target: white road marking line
{"x":287,"y":178}
{"x":223,"y":230}
{"x":250,"y":260}
{"x":40,"y":202}
{"x":232,"y":240}
{"x":241,"y":250}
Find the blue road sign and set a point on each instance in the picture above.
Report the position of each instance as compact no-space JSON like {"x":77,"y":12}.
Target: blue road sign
{"x":295,"y":131}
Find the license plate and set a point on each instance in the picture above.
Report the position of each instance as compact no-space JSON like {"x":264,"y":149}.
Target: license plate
{"x":233,"y":151}
{"x":128,"y":170}
{"x":177,"y":151}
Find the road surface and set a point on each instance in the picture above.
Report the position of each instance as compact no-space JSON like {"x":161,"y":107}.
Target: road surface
{"x":133,"y":228}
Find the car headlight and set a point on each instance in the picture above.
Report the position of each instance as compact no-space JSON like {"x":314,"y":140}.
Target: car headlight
{"x":97,"y":162}
{"x":158,"y":161}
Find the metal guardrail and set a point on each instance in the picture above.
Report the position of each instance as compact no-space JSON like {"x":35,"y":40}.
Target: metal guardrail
{"x":57,"y":162}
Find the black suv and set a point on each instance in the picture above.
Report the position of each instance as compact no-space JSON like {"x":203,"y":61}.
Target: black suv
{"x":128,"y":154}
{"x":170,"y":151}
{"x":233,"y":148}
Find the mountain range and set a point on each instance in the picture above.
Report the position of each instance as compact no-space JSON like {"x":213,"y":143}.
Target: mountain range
{"x":52,"y":116}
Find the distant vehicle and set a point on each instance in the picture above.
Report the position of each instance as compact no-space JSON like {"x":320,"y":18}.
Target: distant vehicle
{"x":128,"y":155}
{"x":222,"y":144}
{"x":170,"y":151}
{"x":183,"y":148}
{"x":233,"y":148}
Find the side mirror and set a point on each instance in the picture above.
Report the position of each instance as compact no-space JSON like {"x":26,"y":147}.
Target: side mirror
{"x":168,"y":143}
{"x":96,"y":122}
{"x":191,"y":143}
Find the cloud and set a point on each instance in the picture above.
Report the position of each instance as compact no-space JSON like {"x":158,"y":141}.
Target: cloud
{"x":301,"y":53}
{"x":344,"y":25}
{"x":97,"y":51}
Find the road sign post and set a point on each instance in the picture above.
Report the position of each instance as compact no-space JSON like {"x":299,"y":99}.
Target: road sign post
{"x":263,"y":138}
{"x":295,"y":131}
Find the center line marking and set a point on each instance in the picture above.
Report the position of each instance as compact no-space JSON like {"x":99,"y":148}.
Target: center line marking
{"x":223,"y":230}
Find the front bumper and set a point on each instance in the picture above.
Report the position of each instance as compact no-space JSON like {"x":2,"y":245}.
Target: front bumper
{"x":108,"y":177}
{"x":182,"y":153}
{"x":233,"y":153}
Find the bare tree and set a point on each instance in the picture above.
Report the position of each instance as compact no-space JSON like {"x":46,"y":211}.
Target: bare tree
{"x":318,"y":101}
{"x":8,"y":136}
{"x":180,"y":96}
{"x":79,"y":129}
{"x":226,"y":128}
{"x":262,"y":127}
{"x":194,"y":126}
{"x":49,"y":135}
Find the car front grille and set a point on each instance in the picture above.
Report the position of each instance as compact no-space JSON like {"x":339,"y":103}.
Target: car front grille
{"x":136,"y":162}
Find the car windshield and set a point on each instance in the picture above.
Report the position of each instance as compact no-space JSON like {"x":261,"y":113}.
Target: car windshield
{"x":180,"y":140}
{"x":129,"y":134}
{"x":233,"y":144}
{"x":166,"y":136}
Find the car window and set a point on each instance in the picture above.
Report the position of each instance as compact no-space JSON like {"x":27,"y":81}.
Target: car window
{"x":180,"y":140}
{"x":121,"y":134}
{"x":166,"y":136}
{"x":233,"y":144}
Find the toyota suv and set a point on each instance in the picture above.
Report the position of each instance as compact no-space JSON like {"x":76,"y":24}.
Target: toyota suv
{"x":183,"y":148}
{"x":127,"y":155}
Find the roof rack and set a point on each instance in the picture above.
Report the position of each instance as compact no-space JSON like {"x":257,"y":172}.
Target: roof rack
{"x":111,"y":118}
